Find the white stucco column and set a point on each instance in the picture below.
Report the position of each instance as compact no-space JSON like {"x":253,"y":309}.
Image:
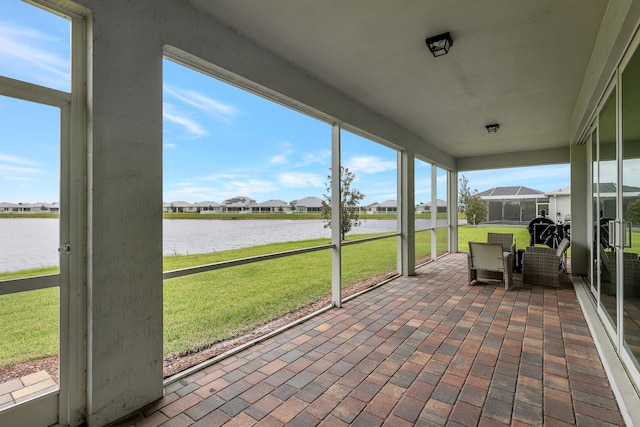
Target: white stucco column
{"x":336,"y":238}
{"x":452,"y":210}
{"x":434,"y":212}
{"x":124,"y":238}
{"x":406,"y":214}
{"x":580,"y":209}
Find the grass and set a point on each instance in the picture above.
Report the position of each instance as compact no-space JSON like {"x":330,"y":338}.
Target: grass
{"x":28,"y":325}
{"x":479,"y":234}
{"x":30,"y":215}
{"x":203,"y":308}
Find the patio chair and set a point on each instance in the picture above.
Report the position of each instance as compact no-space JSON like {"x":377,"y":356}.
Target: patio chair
{"x":489,"y":257}
{"x":506,"y":240}
{"x":542,"y":265}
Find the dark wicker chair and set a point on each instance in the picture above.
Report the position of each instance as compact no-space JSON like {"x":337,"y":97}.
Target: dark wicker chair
{"x":542,"y":265}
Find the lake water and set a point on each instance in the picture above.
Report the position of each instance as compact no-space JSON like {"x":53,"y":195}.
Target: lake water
{"x":33,"y":242}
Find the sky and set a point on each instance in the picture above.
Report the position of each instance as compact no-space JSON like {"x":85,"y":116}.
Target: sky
{"x":219,"y":141}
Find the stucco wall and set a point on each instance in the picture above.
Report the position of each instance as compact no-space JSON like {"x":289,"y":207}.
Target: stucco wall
{"x":124,"y":359}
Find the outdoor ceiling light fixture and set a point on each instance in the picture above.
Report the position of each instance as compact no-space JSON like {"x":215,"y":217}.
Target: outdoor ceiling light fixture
{"x":439,"y":45}
{"x":493,"y":128}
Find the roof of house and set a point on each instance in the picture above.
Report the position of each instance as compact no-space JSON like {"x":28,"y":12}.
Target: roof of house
{"x":389,"y":204}
{"x":310,"y":202}
{"x":180,"y":204}
{"x":273,"y":203}
{"x":610,"y":188}
{"x":512,"y":192}
{"x":240,"y":201}
{"x":208,"y":203}
{"x":564,"y":191}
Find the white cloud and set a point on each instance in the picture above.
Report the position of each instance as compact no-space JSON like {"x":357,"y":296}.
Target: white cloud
{"x":17,"y":178}
{"x":223,"y":177}
{"x":18,"y":169}
{"x":171,"y":114}
{"x":299,"y":180}
{"x":278,"y":159}
{"x":370,"y":164}
{"x":7,"y":158}
{"x":320,"y":157}
{"x":216,"y":109}
{"x":35,"y":53}
{"x":197,"y":192}
{"x":249,"y":187}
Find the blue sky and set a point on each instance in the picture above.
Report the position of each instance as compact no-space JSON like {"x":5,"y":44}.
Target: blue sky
{"x":219,"y":141}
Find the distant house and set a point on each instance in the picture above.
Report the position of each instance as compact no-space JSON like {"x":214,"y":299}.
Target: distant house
{"x":53,"y":207}
{"x":208,"y":207}
{"x":370,"y":209}
{"x":560,"y":204}
{"x":6,"y":207}
{"x":272,"y":206}
{"x":441,"y":206}
{"x":239,"y":204}
{"x":29,"y":208}
{"x":516,"y":203}
{"x":608,"y":198}
{"x":180,"y":207}
{"x":308,"y":205}
{"x":389,"y":206}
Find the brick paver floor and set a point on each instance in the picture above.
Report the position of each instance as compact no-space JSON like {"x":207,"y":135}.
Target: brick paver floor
{"x":427,"y":350}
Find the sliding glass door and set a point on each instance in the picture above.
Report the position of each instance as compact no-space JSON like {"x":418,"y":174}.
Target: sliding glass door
{"x":628,"y":228}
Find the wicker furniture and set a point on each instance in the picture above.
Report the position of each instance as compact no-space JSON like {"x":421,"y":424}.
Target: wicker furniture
{"x":631,"y":275}
{"x":542,"y":265}
{"x":490,"y":257}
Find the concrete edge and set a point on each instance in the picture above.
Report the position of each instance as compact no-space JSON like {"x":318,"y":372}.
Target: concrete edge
{"x":624,"y":391}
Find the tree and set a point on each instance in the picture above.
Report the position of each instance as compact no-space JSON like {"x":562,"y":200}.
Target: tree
{"x":633,"y":212}
{"x":464,"y":194}
{"x":473,"y":207}
{"x":476,"y":210}
{"x":349,"y":203}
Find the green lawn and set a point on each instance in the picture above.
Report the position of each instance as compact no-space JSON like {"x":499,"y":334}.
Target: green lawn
{"x":203,"y":308}
{"x":479,"y":234}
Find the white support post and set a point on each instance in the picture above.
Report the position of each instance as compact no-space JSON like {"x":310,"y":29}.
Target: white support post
{"x":406,"y":215}
{"x":73,"y":316}
{"x":452,"y":211}
{"x":434,"y":212}
{"x":336,"y":238}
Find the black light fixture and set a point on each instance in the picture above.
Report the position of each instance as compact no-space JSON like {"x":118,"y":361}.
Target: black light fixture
{"x":439,"y":45}
{"x":493,"y":128}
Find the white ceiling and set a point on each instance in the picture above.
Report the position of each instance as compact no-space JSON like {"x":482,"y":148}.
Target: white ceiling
{"x":517,"y":63}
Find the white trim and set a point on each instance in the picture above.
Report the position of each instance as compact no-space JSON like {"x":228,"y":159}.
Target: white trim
{"x":336,"y":217}
{"x":626,"y":395}
{"x":39,"y":411}
{"x":406,"y":222}
{"x":240,"y":261}
{"x":25,"y":284}
{"x":434,"y":212}
{"x":32,"y":92}
{"x":452,"y":210}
